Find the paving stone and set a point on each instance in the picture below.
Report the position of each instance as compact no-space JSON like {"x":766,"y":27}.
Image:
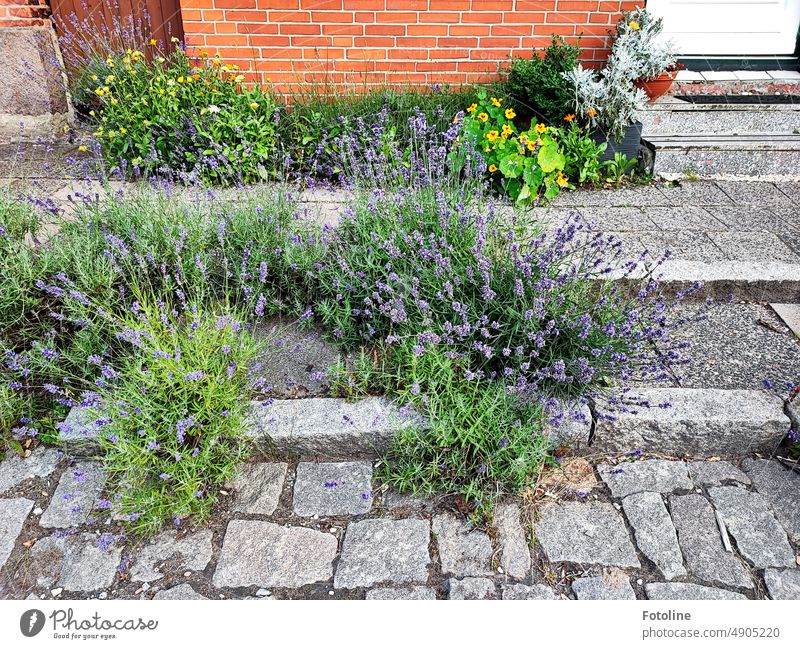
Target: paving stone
{"x":754,"y":219}
{"x":522,"y":591}
{"x":782,"y":584}
{"x":75,"y":563}
{"x":682,"y":218}
{"x":655,"y":534}
{"x":294,"y":360}
{"x":753,"y":246}
{"x":79,"y":432}
{"x":75,"y":495}
{"x":417,"y":592}
{"x":790,"y":314}
{"x":463,"y":551}
{"x":515,"y":556}
{"x":585,"y":532}
{"x":699,"y":422}
{"x":666,"y":591}
{"x":662,"y":476}
{"x":394,"y":500}
{"x":793,"y":410}
{"x":329,"y":428}
{"x":759,"y":537}
{"x":258,"y":553}
{"x":736,"y":346}
{"x":715,"y":473}
{"x":759,"y":194}
{"x":191,"y":552}
{"x":638,"y":196}
{"x":603,"y":588}
{"x":781,"y":488}
{"x":333,"y":488}
{"x":571,"y":427}
{"x":258,"y":487}
{"x":617,"y":219}
{"x":15,"y":469}
{"x":182,"y":592}
{"x":695,"y":193}
{"x":380,"y":551}
{"x":13,"y":512}
{"x":701,"y":543}
{"x":472,"y":588}
{"x":685,"y":246}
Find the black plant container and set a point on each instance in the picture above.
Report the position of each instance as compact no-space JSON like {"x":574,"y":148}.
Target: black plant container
{"x":629,"y":144}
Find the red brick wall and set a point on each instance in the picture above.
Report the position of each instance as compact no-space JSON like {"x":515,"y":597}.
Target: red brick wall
{"x":292,"y":42}
{"x":24,"y":13}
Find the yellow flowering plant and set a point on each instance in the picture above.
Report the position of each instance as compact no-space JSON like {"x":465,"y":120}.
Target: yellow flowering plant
{"x":187,"y":114}
{"x":522,"y":164}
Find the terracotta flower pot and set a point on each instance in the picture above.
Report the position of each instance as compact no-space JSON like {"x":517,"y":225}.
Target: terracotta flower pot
{"x":657,"y":86}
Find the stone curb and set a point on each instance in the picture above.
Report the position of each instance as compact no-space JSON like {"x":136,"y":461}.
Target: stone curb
{"x":697,"y":422}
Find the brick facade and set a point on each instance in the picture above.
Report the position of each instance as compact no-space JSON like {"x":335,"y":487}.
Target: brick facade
{"x":24,"y":13}
{"x":376,"y":42}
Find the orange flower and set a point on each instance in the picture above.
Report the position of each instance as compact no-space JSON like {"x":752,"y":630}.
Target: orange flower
{"x":569,"y":118}
{"x":483,"y":117}
{"x":492,"y":168}
{"x":591,"y":112}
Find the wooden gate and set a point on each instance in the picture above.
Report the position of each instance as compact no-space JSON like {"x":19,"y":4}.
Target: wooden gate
{"x":90,"y":24}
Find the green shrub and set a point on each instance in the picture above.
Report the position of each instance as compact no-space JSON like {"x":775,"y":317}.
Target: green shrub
{"x":536,"y":84}
{"x":582,"y":154}
{"x":180,"y":115}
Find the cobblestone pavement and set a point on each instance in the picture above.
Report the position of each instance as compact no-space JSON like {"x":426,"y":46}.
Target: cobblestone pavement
{"x":625,"y":528}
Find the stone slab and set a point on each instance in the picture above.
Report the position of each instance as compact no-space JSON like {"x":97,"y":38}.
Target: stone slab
{"x":382,"y":551}
{"x":759,"y":537}
{"x":515,"y":555}
{"x":463,"y":551}
{"x":417,"y":592}
{"x":681,"y":591}
{"x":472,"y":588}
{"x":783,"y":584}
{"x":75,"y":495}
{"x":76,"y":563}
{"x":714,"y":474}
{"x":585,"y":533}
{"x":258,"y":553}
{"x":701,"y":543}
{"x":13,"y":512}
{"x":573,"y":427}
{"x":182,"y":592}
{"x":15,"y":469}
{"x":655,"y":534}
{"x":790,"y":314}
{"x":258,"y":487}
{"x":523,"y":591}
{"x":333,"y":488}
{"x":663,"y":476}
{"x":781,"y":487}
{"x":191,"y":552}
{"x":699,"y":422}
{"x":329,"y":428}
{"x":78,"y":433}
{"x":603,"y":588}
{"x":753,"y":246}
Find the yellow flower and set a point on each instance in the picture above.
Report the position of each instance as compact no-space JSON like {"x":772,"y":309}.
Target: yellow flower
{"x":91,"y":113}
{"x":239,"y":77}
{"x":174,"y":39}
{"x":507,"y":130}
{"x":136,"y":162}
{"x":531,"y":145}
{"x":122,"y":130}
{"x":114,"y":102}
{"x":510,"y":114}
{"x":561,"y":180}
{"x":180,"y":79}
{"x":153,"y":41}
{"x":483,"y":117}
{"x":94,"y":77}
{"x":99,"y":92}
{"x":109,"y":78}
{"x":254,"y":105}
{"x":472,"y":108}
{"x":492,"y":136}
{"x":633,"y":25}
{"x":540,"y":128}
{"x":569,"y":118}
{"x":496,"y":102}
{"x":492,"y":168}
{"x":82,"y":147}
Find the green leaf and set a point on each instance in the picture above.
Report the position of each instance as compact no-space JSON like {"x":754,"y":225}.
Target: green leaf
{"x":511,"y":167}
{"x":550,"y":158}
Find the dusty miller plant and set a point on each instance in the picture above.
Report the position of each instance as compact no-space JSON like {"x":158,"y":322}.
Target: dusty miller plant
{"x":639,"y":37}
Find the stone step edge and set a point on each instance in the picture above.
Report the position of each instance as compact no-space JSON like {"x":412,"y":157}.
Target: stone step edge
{"x":338,"y":428}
